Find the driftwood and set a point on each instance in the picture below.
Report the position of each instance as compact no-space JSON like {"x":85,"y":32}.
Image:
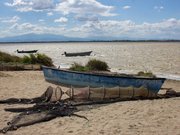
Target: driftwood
{"x":39,"y":113}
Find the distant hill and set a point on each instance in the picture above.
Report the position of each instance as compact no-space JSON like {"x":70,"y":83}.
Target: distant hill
{"x":54,"y":38}
{"x":39,"y":38}
{"x":59,"y":38}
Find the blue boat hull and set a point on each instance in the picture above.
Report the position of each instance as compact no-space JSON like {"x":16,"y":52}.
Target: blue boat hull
{"x":73,"y":78}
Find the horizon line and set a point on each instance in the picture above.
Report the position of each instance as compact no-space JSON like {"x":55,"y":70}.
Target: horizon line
{"x":149,"y":40}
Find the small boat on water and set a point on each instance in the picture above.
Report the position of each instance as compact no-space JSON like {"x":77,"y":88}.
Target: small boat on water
{"x":30,"y":51}
{"x":77,"y":54}
{"x":84,"y":79}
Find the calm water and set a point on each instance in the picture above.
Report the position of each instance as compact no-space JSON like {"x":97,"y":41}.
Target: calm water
{"x":163,"y":59}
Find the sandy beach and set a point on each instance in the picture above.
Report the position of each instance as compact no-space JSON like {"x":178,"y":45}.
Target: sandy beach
{"x":147,"y":117}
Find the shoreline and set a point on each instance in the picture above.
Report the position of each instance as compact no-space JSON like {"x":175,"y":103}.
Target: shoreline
{"x":168,"y":76}
{"x":89,"y":41}
{"x":130,"y":117}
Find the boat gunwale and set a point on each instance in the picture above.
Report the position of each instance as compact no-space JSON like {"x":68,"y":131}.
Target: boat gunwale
{"x":27,"y":51}
{"x":106,"y":75}
{"x":78,"y":52}
{"x":72,"y":54}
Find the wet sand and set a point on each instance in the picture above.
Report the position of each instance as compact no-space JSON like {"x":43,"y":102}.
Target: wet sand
{"x":145,"y":117}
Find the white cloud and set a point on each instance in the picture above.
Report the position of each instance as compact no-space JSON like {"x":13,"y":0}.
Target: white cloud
{"x":86,"y":18}
{"x":49,"y":13}
{"x":158,"y":8}
{"x":21,"y":5}
{"x":79,"y":7}
{"x":25,"y":28}
{"x":105,"y":28}
{"x":61,"y":20}
{"x":41,"y":20}
{"x":82,"y":9}
{"x":31,"y":5}
{"x":128,"y":28}
{"x":17,"y":3}
{"x":161,"y":7}
{"x":165,"y":29}
{"x":24,"y":9}
{"x":43,"y":4}
{"x":14,"y":19}
{"x":89,"y":7}
{"x":126,"y":7}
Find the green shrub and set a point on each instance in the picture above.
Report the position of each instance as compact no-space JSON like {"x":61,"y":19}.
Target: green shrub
{"x":78,"y":67}
{"x":5,"y":57}
{"x":26,"y":59}
{"x":97,"y":65}
{"x":33,"y":58}
{"x":92,"y":65}
{"x":41,"y":59}
{"x":44,"y":60}
{"x":146,"y":74}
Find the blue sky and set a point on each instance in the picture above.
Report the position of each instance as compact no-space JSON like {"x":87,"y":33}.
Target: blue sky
{"x":136,"y":19}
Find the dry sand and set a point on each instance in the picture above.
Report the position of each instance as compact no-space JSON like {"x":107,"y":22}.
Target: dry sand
{"x":147,"y":117}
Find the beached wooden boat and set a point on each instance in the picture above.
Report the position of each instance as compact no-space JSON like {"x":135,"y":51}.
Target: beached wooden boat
{"x":84,"y":79}
{"x":30,"y":51}
{"x":77,"y":54}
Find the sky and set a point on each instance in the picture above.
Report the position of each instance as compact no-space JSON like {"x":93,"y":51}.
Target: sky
{"x":118,"y":19}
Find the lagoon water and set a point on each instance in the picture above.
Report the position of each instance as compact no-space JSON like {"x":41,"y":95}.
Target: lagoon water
{"x":161,"y":58}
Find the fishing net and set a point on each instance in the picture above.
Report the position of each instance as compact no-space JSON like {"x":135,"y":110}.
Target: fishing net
{"x":50,"y":104}
{"x":85,"y":94}
{"x":47,"y":96}
{"x":103,"y":93}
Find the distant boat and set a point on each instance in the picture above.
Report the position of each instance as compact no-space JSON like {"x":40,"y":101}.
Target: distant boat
{"x":30,"y":51}
{"x":77,"y":54}
{"x":84,"y":79}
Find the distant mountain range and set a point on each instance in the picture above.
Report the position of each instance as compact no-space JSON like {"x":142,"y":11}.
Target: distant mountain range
{"x":38,"y":38}
{"x":59,"y":38}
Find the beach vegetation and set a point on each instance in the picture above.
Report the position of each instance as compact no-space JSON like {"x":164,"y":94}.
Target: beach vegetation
{"x":26,"y":59}
{"x":44,"y":60}
{"x":6,"y":57}
{"x":41,"y":59}
{"x":97,"y":65}
{"x":78,"y":67}
{"x":33,"y":59}
{"x":92,"y":65}
{"x":145,"y":74}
